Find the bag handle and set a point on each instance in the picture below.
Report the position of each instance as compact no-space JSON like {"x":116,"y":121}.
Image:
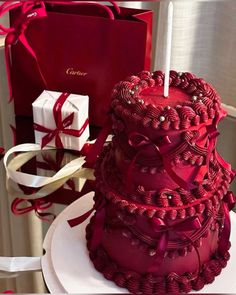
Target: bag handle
{"x":31,"y":10}
{"x":27,"y":6}
{"x":96,"y":4}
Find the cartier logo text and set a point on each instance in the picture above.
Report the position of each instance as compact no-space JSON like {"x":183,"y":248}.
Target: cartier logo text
{"x":75,"y":72}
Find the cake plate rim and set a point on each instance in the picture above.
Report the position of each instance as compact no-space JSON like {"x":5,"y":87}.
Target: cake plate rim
{"x":59,"y":280}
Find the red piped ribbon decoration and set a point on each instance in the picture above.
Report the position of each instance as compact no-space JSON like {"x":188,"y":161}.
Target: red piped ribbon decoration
{"x":61,"y":125}
{"x":137,"y":140}
{"x":98,"y":227}
{"x":212,"y":134}
{"x":97,"y":147}
{"x":228,"y":204}
{"x":21,"y":206}
{"x":159,"y":226}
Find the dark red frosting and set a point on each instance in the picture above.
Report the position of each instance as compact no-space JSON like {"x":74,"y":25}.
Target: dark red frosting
{"x":164,"y":187}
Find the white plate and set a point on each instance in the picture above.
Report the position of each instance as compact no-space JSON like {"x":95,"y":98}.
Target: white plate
{"x":67,"y":267}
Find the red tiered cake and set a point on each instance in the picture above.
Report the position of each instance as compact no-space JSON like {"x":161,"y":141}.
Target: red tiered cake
{"x":162,"y":221}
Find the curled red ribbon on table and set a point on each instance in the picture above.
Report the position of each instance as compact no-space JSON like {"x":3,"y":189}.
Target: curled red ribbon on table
{"x":61,"y":125}
{"x":34,"y":205}
{"x":212,"y":134}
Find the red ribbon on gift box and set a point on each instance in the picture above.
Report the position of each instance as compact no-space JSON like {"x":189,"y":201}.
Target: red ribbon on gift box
{"x":61,"y":125}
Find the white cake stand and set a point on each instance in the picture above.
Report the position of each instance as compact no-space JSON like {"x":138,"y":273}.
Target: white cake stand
{"x":68,"y":269}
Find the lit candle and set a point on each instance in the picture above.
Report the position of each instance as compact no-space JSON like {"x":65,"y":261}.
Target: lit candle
{"x":168,"y":47}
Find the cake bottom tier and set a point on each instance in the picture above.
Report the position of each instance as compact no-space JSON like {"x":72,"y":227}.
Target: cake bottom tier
{"x":152,"y":283}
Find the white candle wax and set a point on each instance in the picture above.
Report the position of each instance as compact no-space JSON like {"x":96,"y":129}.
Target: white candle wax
{"x":168,"y":47}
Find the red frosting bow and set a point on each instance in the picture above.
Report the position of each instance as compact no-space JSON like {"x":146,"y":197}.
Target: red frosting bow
{"x":61,"y":125}
{"x":179,"y":228}
{"x":37,"y":205}
{"x":228,"y":204}
{"x":139,"y":140}
{"x":159,"y":226}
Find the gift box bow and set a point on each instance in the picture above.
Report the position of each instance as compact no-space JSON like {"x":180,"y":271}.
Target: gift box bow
{"x":62,"y":125}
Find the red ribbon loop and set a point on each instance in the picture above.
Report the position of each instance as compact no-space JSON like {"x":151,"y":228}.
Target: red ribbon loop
{"x":98,"y":224}
{"x":225,"y":234}
{"x":158,"y":225}
{"x":61,"y":125}
{"x":137,"y":140}
{"x":98,"y":206}
{"x":97,"y":147}
{"x":34,"y":205}
{"x":230,"y":200}
{"x":1,"y":150}
{"x":29,"y":11}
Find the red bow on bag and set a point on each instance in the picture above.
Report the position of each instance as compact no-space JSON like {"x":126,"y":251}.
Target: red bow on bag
{"x":37,"y":205}
{"x":33,"y":10}
{"x":30,"y":11}
{"x":61,"y":125}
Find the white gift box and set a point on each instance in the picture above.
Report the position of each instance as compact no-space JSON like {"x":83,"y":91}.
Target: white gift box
{"x":44,"y":116}
{"x":47,"y":165}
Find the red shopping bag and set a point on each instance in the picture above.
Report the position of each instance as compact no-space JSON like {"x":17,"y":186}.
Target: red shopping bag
{"x":75,"y":48}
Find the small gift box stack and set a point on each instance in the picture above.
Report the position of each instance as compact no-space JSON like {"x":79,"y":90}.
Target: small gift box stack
{"x":61,"y":120}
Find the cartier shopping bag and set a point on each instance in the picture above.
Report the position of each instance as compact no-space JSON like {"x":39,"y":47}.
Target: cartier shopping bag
{"x":75,"y":47}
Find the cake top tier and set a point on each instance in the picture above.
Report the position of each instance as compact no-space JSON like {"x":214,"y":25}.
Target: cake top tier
{"x":191,"y":101}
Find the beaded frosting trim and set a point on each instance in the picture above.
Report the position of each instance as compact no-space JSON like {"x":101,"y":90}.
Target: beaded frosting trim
{"x":204,"y":104}
{"x":148,"y":283}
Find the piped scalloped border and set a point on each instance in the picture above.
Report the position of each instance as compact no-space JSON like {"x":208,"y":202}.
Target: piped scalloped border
{"x":149,"y":284}
{"x":203,"y":106}
{"x":197,"y":206}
